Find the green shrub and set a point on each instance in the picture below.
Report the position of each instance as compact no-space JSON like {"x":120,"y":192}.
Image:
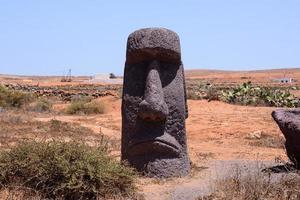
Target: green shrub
{"x":85,"y":107}
{"x":13,"y":98}
{"x":41,"y":105}
{"x":192,"y":93}
{"x":65,"y":170}
{"x":203,"y":91}
{"x":248,"y":94}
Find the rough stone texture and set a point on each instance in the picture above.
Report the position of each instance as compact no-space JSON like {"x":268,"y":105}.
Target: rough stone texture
{"x":153,"y":43}
{"x":288,"y":121}
{"x":154,"y":105}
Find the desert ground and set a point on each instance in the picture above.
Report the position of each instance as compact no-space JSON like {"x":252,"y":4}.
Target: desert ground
{"x":216,"y":131}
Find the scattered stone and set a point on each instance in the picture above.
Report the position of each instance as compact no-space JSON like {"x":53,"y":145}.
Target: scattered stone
{"x":67,"y":92}
{"x":288,"y":121}
{"x":154,"y":105}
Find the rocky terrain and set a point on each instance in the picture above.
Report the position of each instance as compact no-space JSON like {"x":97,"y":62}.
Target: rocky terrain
{"x":219,"y":134}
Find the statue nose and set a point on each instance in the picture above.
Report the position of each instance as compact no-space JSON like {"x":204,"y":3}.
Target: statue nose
{"x":153,"y":107}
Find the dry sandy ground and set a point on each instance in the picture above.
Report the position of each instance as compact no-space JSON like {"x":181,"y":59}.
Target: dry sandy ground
{"x":214,"y":129}
{"x":216,"y":132}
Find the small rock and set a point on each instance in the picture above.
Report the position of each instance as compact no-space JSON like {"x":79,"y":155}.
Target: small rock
{"x":255,"y":135}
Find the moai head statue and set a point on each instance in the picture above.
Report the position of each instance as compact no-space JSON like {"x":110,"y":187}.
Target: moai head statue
{"x":154,"y":105}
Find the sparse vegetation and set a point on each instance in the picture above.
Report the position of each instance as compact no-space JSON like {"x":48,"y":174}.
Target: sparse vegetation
{"x":65,"y":170}
{"x":16,"y":127}
{"x":85,"y":106}
{"x":248,"y":94}
{"x":203,"y":91}
{"x":244,"y":94}
{"x":41,"y":105}
{"x":268,"y":141}
{"x":256,"y":185}
{"x":13,"y":98}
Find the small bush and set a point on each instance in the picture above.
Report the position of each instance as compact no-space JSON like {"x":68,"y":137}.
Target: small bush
{"x":41,"y":105}
{"x":13,"y":98}
{"x":65,"y":170}
{"x":85,"y":107}
{"x":203,"y":91}
{"x":94,"y":107}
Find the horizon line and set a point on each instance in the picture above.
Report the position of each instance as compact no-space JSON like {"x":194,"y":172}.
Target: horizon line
{"x":194,"y":69}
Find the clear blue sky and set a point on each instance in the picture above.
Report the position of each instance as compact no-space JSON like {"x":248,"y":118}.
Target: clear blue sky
{"x":89,"y":36}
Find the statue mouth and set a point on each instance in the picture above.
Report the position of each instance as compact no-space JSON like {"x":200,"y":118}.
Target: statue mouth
{"x":164,"y":145}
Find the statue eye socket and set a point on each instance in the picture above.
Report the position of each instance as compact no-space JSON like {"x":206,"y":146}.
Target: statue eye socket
{"x":168,"y":72}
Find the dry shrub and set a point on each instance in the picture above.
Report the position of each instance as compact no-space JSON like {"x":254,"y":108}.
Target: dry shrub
{"x":269,"y":141}
{"x":41,"y":105}
{"x":94,"y":107}
{"x":20,"y":193}
{"x":16,"y":127}
{"x":84,"y":106}
{"x":13,"y":98}
{"x":70,"y":170}
{"x":64,"y":127}
{"x":256,"y":185}
{"x":11,"y":119}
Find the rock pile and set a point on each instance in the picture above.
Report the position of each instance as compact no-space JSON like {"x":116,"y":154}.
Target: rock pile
{"x":67,"y":92}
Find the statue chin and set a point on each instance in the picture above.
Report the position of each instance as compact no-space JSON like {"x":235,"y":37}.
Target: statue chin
{"x":162,"y":147}
{"x":167,"y":167}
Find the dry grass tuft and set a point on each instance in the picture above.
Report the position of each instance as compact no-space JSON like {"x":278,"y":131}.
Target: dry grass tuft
{"x":19,"y":127}
{"x":256,"y":185}
{"x":41,"y":105}
{"x":85,"y":106}
{"x":13,"y":98}
{"x":269,"y":141}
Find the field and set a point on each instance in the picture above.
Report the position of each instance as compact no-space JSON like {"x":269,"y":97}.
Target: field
{"x":220,"y":135}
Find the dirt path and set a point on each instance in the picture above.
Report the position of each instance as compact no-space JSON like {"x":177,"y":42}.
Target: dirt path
{"x":191,"y":188}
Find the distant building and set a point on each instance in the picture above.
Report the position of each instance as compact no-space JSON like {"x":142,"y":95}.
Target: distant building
{"x":101,"y":77}
{"x":105,"y":78}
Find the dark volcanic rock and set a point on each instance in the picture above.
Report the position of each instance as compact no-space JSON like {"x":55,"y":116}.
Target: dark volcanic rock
{"x":154,"y":105}
{"x":288,"y":121}
{"x":153,"y":43}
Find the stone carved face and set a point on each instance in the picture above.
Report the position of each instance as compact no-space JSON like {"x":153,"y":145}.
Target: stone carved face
{"x":154,"y":104}
{"x":288,"y":120}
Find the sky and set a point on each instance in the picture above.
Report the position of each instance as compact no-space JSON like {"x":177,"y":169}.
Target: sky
{"x":48,"y":37}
